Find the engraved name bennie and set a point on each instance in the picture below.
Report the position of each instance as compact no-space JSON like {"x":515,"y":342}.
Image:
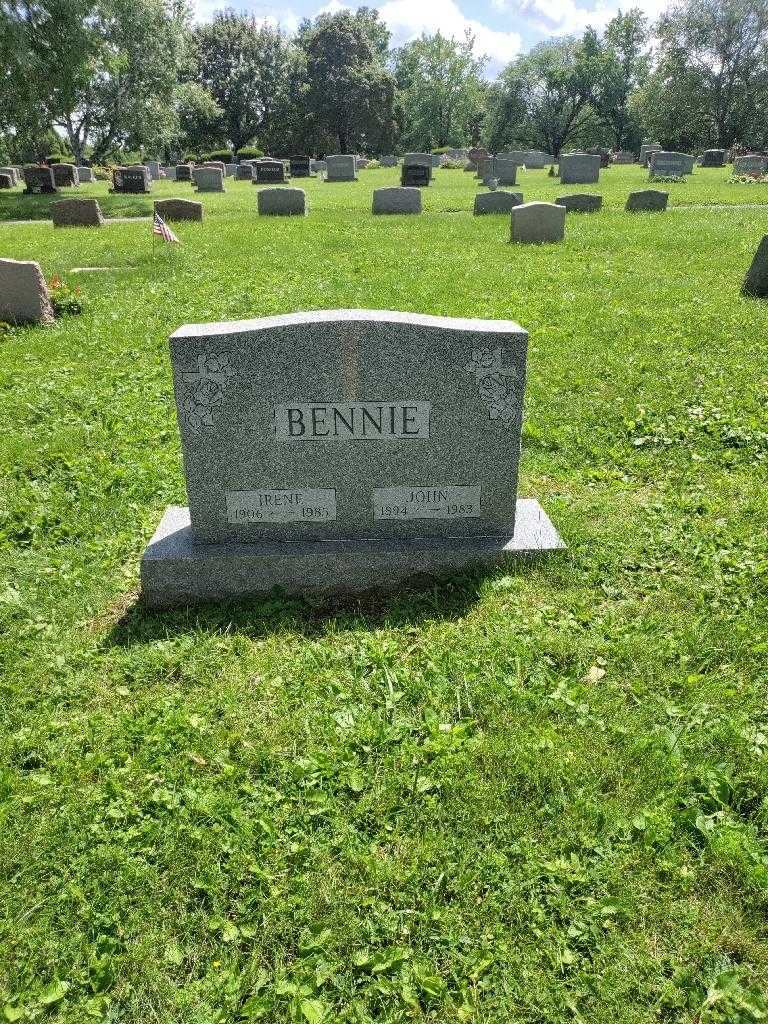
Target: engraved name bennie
{"x":353,"y":421}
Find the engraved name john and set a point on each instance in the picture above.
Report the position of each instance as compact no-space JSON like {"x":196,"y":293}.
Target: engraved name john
{"x":355,"y":421}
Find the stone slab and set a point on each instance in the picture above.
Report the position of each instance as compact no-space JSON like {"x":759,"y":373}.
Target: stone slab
{"x":340,"y":167}
{"x":282,"y":202}
{"x":208,"y":179}
{"x":179,"y":209}
{"x":65,"y":175}
{"x":177,"y":571}
{"x":579,"y":168}
{"x":648,"y":199}
{"x":24,"y":296}
{"x":71,"y":213}
{"x":750,"y":164}
{"x":538,"y":222}
{"x":39,"y":180}
{"x":665,"y":163}
{"x":415,"y":176}
{"x":269,"y":172}
{"x":498,"y":201}
{"x":133,"y":180}
{"x":6,"y":180}
{"x":581,"y":202}
{"x":351,"y":401}
{"x":396,"y":200}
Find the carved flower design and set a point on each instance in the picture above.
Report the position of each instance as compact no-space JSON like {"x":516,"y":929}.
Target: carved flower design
{"x":206,"y":386}
{"x":483,"y":360}
{"x":496,"y":382}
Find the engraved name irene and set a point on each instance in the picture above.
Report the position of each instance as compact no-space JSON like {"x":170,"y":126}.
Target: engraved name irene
{"x":356,"y":421}
{"x":299,"y":505}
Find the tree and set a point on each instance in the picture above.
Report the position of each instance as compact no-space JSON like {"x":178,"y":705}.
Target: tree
{"x":199,"y":117}
{"x":625,"y":70}
{"x":128,"y":99}
{"x":555,"y":85}
{"x":246,"y":67}
{"x":442,"y":93}
{"x":719,"y":48}
{"x":350,"y":94}
{"x":45,"y":51}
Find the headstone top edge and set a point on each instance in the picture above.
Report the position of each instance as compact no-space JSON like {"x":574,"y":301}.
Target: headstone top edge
{"x":329,"y":316}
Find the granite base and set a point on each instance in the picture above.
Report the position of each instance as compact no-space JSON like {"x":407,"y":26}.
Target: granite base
{"x":176,"y":571}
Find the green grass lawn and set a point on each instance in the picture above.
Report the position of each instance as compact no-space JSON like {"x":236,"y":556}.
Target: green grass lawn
{"x":535,"y":795}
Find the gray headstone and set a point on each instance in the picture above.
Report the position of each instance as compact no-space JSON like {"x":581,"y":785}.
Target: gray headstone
{"x":397,"y":200}
{"x":269,"y":171}
{"x":623,"y":156}
{"x":415,"y":176}
{"x":343,"y":450}
{"x":388,"y":161}
{"x":231,"y":169}
{"x":282,"y":202}
{"x":39,"y":181}
{"x":581,"y":202}
{"x":505,"y":169}
{"x":538,"y":222}
{"x":65,"y":175}
{"x":665,"y":164}
{"x":713,"y":158}
{"x":646,"y":199}
{"x":497,"y":202}
{"x":300,"y":167}
{"x":153,"y":166}
{"x":419,"y":160}
{"x":216,"y":163}
{"x":183,"y":172}
{"x":71,"y":213}
{"x":244,"y":172}
{"x":134,"y":180}
{"x":170,"y":173}
{"x":650,"y":199}
{"x":12,"y":173}
{"x":208,"y":179}
{"x":646,"y":149}
{"x":341,"y":167}
{"x":756,"y":281}
{"x":579,"y":168}
{"x":751,"y":164}
{"x":85,"y":175}
{"x":24,"y":294}
{"x":179,"y":209}
{"x":536,"y":159}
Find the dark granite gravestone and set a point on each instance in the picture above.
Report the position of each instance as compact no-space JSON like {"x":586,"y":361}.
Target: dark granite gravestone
{"x":414,"y":176}
{"x":342,"y":451}
{"x":184,"y":172}
{"x":581,"y":202}
{"x":299,"y":166}
{"x":65,"y":175}
{"x":751,"y":165}
{"x":179,"y":209}
{"x":713,"y":158}
{"x":272,"y":171}
{"x":6,"y":181}
{"x":133,"y":180}
{"x":39,"y":181}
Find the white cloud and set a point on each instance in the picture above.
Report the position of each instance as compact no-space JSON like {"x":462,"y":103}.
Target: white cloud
{"x":288,"y":20}
{"x":563,"y":17}
{"x":407,"y":19}
{"x":333,"y":7}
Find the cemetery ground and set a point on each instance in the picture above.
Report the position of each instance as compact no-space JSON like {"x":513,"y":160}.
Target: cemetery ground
{"x":536,"y":794}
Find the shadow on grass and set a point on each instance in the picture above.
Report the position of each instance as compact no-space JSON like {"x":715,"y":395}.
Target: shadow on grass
{"x":421,"y":600}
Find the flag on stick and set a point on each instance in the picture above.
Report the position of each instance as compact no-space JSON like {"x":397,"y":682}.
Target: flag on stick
{"x":159,"y":227}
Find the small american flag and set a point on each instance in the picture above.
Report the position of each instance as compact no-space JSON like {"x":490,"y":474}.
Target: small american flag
{"x":159,"y":227}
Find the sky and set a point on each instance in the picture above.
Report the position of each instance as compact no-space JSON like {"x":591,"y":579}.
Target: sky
{"x":502,"y":28}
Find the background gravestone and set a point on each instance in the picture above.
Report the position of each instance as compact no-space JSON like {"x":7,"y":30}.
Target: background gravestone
{"x":282,"y":202}
{"x":647,"y":200}
{"x":6,"y":180}
{"x":496,"y":202}
{"x":343,"y":450}
{"x":396,"y":200}
{"x":388,"y":161}
{"x":270,"y":171}
{"x":415,"y":176}
{"x":646,"y":149}
{"x":85,"y":175}
{"x":153,"y":166}
{"x":340,"y":167}
{"x":244,"y":172}
{"x":299,"y":166}
{"x":666,"y":164}
{"x":179,"y":209}
{"x":623,"y":156}
{"x":24,"y":294}
{"x":713,"y":158}
{"x":12,"y":173}
{"x":579,"y":168}
{"x":752,"y":163}
{"x":419,"y":160}
{"x":208,"y":179}
{"x":39,"y":181}
{"x":183,"y":172}
{"x":131,"y":180}
{"x":538,"y":222}
{"x":505,"y":169}
{"x":72,"y":213}
{"x":65,"y":175}
{"x":581,"y":202}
